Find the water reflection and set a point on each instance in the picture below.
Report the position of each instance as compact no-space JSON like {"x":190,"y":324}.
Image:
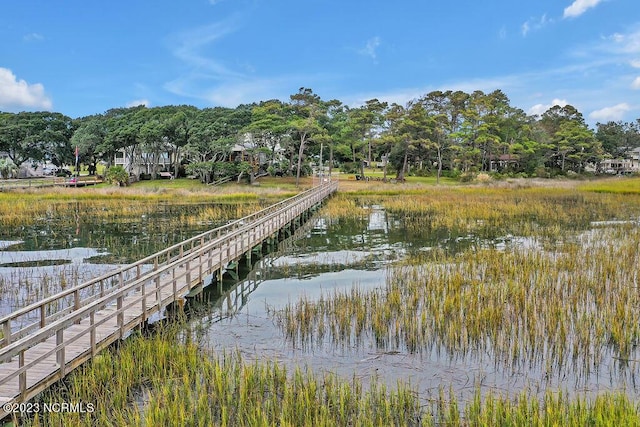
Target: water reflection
{"x":329,"y":256}
{"x":130,"y":234}
{"x":30,"y":276}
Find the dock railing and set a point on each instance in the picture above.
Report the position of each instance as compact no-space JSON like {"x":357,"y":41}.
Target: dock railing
{"x":141,"y":285}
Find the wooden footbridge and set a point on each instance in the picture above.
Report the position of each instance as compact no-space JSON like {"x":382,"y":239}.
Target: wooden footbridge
{"x":44,"y":341}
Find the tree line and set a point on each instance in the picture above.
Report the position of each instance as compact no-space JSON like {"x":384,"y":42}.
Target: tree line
{"x":442,"y":132}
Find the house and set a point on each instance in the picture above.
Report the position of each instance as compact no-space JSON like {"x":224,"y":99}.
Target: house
{"x":143,"y":163}
{"x":628,"y":163}
{"x":503,"y":161}
{"x":248,"y":150}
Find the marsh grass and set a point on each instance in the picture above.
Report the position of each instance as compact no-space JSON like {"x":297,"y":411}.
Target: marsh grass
{"x":21,"y":287}
{"x":567,"y":307}
{"x":129,"y":225}
{"x":614,"y":185}
{"x":27,"y":207}
{"x":167,"y":380}
{"x":548,"y":213}
{"x":162,"y":380}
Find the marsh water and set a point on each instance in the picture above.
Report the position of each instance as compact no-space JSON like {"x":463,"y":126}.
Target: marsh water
{"x":324,"y":256}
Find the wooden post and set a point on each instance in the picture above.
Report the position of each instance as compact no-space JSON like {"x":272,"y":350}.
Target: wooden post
{"x":188,"y":274}
{"x":175,"y":286}
{"x":76,"y":303}
{"x":200,"y":268}
{"x":144,"y":302}
{"x":22,"y":378}
{"x":60,"y":353}
{"x":6,"y":331}
{"x":92,"y":337}
{"x":120,"y":315}
{"x":157,"y":287}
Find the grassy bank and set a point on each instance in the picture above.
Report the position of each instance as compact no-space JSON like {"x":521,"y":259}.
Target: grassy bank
{"x":24,"y":207}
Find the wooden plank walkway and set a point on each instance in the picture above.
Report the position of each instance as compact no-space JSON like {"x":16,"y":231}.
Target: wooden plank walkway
{"x":43,"y":342}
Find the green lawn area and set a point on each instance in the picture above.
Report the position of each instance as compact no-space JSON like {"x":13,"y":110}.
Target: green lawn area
{"x":379,"y":173}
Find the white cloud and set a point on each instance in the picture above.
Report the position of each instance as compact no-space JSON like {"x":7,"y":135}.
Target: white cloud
{"x":233,"y":93}
{"x":535,"y":24}
{"x":613,"y":113}
{"x":578,"y":7}
{"x":218,"y":83}
{"x":33,"y":37}
{"x":628,"y":43}
{"x":539,"y":109}
{"x":18,"y":94}
{"x":370,"y":48}
{"x":635,"y":63}
{"x":189,"y":46}
{"x":138,"y":102}
{"x":636,"y":83}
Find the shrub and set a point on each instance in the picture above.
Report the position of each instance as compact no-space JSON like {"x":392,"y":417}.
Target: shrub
{"x":483,"y":177}
{"x":467,"y":177}
{"x":542,"y":172}
{"x":117,"y":175}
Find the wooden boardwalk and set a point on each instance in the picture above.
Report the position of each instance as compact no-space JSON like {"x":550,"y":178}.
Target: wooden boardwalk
{"x":44,"y":341}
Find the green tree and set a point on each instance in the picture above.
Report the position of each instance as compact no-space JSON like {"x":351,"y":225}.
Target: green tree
{"x":618,"y":137}
{"x":153,"y":144}
{"x":36,"y":136}
{"x":409,"y":134}
{"x":89,"y":137}
{"x":124,"y":126}
{"x":577,"y":143}
{"x":569,"y":137}
{"x":177,"y":127}
{"x":211,"y":138}
{"x":304,"y":125}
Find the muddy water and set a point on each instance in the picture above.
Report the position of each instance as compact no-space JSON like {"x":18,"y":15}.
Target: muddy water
{"x":325,"y":257}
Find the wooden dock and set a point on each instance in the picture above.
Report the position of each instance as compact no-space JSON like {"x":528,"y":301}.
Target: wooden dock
{"x":44,"y":341}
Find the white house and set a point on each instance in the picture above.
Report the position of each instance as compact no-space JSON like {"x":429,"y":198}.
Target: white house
{"x":629,"y":163}
{"x":143,"y":163}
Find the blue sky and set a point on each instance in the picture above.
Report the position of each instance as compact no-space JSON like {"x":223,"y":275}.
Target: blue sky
{"x":83,"y":57}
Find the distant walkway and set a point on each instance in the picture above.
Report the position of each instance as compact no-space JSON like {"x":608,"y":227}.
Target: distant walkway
{"x":19,"y":184}
{"x":43,"y":342}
